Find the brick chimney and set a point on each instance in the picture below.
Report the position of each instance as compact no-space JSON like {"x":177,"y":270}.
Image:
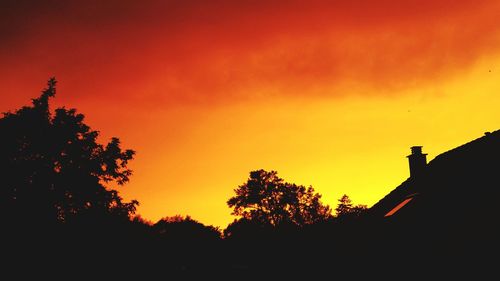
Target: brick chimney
{"x":417,"y":161}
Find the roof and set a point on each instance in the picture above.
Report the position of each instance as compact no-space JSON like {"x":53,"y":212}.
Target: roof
{"x":451,"y":182}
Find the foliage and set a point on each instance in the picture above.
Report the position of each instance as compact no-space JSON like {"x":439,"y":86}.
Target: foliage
{"x":53,"y":168}
{"x":186,"y":228}
{"x":246,"y":229}
{"x":268,"y":199}
{"x":345,"y":208}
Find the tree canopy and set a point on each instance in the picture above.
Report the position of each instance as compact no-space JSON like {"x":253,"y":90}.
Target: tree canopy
{"x":268,"y":199}
{"x":186,"y":229}
{"x":346,"y":210}
{"x":53,"y":168}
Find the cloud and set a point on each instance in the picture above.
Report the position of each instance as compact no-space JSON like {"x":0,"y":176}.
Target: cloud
{"x":171,"y":52}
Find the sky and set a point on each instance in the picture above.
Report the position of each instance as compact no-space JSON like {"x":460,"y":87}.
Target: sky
{"x":328,"y":93}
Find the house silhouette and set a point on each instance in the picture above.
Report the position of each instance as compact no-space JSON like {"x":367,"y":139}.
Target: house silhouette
{"x":448,"y":206}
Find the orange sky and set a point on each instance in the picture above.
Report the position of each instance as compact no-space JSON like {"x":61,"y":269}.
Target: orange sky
{"x":328,"y":93}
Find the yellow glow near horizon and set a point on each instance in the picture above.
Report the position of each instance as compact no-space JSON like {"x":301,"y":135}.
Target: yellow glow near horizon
{"x":354,"y":145}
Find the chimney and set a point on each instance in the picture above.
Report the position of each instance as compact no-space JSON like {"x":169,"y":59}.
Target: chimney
{"x":417,"y":160}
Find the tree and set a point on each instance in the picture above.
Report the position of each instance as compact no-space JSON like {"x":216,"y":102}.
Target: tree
{"x":247,"y":229}
{"x":345,"y":208}
{"x":268,"y":199}
{"x":345,"y":205}
{"x":53,"y":169}
{"x":186,"y":229}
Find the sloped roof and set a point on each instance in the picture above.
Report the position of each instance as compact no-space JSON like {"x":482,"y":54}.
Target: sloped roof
{"x":450,"y":183}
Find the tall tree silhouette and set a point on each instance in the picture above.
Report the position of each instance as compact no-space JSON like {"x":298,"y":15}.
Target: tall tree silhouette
{"x":268,"y":199}
{"x":53,"y":169}
{"x":345,"y":208}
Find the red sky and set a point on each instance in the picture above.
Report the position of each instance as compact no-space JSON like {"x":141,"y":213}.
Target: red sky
{"x":328,"y":93}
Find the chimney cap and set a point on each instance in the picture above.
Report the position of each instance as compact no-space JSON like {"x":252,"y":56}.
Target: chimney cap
{"x":416,"y":149}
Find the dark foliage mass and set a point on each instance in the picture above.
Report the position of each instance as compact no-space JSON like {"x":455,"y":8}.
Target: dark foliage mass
{"x":62,"y":216}
{"x":53,"y":169}
{"x":346,"y":211}
{"x":268,"y":199}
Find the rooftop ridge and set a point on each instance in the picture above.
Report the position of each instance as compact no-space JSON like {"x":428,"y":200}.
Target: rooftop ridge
{"x":486,"y":135}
